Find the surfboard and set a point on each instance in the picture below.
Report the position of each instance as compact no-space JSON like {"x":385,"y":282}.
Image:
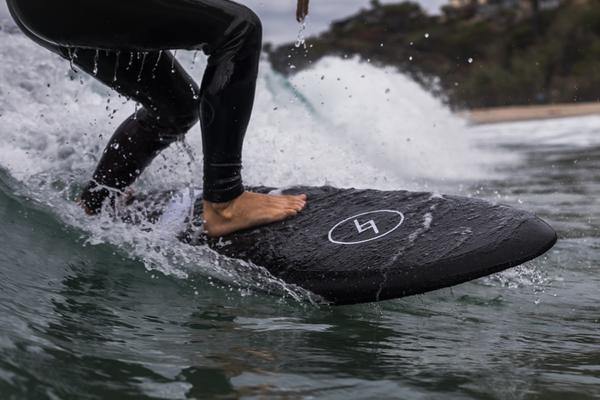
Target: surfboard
{"x":354,"y":246}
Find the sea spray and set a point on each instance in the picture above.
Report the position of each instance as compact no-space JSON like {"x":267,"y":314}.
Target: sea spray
{"x":160,"y":53}
{"x":173,"y":61}
{"x":130,"y":63}
{"x":116,"y":70}
{"x":193,"y":168}
{"x":145,"y":54}
{"x":300,"y":39}
{"x":96,"y":59}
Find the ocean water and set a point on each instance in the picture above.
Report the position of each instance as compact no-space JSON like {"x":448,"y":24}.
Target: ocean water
{"x":90,"y":308}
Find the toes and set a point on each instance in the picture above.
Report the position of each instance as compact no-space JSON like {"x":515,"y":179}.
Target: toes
{"x":291,"y":202}
{"x":296,"y":206}
{"x":301,"y":197}
{"x":301,"y":204}
{"x":297,"y":202}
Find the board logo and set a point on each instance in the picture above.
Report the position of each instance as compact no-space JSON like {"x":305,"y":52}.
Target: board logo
{"x":366,"y":227}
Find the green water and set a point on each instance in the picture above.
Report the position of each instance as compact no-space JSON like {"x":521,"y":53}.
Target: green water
{"x":80,"y":321}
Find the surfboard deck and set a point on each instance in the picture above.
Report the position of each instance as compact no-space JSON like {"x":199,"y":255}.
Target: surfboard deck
{"x":354,"y":246}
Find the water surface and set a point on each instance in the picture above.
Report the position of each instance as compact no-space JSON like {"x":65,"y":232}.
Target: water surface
{"x":93,"y":309}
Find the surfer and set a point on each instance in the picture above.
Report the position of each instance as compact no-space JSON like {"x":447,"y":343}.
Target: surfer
{"x":125,"y":44}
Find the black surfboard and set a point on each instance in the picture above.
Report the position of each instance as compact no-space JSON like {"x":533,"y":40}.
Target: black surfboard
{"x":352,"y":246}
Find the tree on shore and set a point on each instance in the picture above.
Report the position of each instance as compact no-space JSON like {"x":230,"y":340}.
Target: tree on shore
{"x":520,"y":55}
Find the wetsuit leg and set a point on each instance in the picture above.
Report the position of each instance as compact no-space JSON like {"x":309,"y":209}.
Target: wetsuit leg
{"x":228,"y":32}
{"x":170,"y":108}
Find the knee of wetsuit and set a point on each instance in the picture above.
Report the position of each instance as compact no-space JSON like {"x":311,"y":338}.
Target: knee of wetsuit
{"x":245,"y":34}
{"x":171,"y":128}
{"x":181,"y":124}
{"x":254,"y":29}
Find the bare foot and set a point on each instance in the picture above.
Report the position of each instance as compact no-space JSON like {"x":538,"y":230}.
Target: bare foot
{"x":248,"y":210}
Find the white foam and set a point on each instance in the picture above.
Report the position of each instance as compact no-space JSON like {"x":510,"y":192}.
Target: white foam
{"x":387,"y":121}
{"x":172,"y":221}
{"x":575,"y":132}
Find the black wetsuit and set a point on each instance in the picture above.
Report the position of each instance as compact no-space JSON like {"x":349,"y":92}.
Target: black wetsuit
{"x":228,"y":32}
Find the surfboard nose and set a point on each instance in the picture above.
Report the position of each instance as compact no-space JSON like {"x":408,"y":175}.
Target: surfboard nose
{"x":498,"y":244}
{"x":532,"y":238}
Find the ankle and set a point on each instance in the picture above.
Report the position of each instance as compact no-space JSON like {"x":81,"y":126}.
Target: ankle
{"x":217,"y":206}
{"x":222,"y":210}
{"x":223,"y":206}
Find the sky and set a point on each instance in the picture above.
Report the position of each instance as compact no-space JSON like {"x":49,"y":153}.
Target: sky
{"x":279,"y":19}
{"x":279,"y":15}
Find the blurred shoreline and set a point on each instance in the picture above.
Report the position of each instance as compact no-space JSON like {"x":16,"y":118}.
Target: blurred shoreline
{"x":476,"y":54}
{"x":493,"y":115}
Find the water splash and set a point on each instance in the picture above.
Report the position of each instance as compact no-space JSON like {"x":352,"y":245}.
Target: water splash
{"x":194,"y":59}
{"x":72,"y":52}
{"x":300,"y":39}
{"x":130,"y":63}
{"x":156,"y":64}
{"x":117,"y":57}
{"x":173,"y":61}
{"x":194,"y":94}
{"x":192,"y":168}
{"x":144,"y":55}
{"x":96,"y":58}
{"x":136,"y":110}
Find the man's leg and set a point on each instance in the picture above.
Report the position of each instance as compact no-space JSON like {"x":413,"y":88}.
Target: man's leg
{"x":169,"y":97}
{"x":229,"y":32}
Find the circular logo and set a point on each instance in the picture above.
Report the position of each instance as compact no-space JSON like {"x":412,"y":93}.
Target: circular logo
{"x":366,"y":227}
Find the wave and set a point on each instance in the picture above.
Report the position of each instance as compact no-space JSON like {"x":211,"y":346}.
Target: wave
{"x":344,"y":123}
